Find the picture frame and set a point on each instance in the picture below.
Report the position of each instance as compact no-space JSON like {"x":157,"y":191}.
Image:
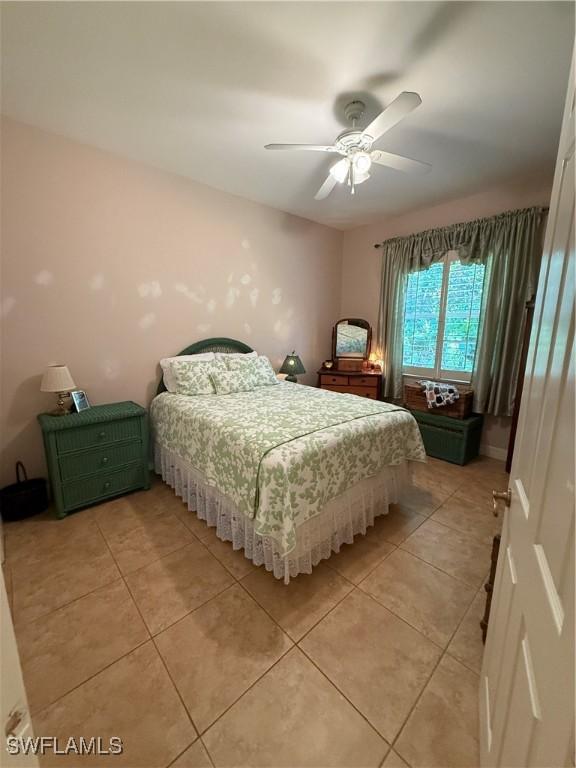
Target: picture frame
{"x":80,"y":400}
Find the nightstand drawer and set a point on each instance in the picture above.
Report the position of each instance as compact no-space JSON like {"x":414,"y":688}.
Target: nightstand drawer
{"x":341,"y":381}
{"x":97,"y":434}
{"x":92,"y":489}
{"x":73,"y":465}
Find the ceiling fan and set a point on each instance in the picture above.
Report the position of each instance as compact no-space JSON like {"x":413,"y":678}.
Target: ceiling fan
{"x":355,"y":145}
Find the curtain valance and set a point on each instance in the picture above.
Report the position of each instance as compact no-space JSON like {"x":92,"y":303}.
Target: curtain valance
{"x":472,"y":240}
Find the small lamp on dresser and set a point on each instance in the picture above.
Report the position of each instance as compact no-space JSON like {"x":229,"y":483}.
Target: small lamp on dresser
{"x":292,"y":366}
{"x":57,"y":379}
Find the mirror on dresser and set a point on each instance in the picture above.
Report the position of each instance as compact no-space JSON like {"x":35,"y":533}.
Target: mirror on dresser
{"x":351,"y":339}
{"x":350,"y":370}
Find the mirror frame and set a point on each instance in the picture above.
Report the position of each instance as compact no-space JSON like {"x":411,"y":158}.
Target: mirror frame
{"x":358,"y":321}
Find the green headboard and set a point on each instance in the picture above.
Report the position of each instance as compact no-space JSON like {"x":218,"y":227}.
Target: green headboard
{"x":223,"y":345}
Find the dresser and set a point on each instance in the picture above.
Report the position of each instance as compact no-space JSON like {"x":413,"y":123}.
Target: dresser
{"x":363,"y":383}
{"x":96,"y":454}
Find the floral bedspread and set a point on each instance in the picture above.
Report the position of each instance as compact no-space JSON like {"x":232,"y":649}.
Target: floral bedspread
{"x":281,"y":452}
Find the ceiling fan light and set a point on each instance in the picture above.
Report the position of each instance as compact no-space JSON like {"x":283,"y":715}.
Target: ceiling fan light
{"x":340,"y":170}
{"x":360,"y":177}
{"x":362,"y":162}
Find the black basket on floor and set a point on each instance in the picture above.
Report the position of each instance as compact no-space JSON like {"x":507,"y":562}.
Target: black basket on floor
{"x":23,"y":498}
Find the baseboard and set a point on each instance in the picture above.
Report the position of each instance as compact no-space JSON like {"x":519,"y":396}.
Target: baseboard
{"x":493,"y":452}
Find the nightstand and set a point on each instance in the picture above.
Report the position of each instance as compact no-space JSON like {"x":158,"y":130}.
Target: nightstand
{"x":96,"y":454}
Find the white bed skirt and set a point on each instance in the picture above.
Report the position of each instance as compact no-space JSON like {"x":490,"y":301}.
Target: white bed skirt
{"x":342,"y":518}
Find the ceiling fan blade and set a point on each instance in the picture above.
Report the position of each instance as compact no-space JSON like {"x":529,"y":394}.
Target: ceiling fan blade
{"x":326,"y":188}
{"x":309,"y":147}
{"x":398,"y":162}
{"x":394,"y":112}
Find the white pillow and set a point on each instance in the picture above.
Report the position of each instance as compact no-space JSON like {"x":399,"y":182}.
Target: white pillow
{"x":168,"y":376}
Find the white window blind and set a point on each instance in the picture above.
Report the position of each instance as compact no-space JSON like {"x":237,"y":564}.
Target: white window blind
{"x":441,"y":319}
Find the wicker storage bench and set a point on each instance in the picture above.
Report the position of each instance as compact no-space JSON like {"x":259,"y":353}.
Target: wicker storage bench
{"x":415,"y":400}
{"x":455,"y":440}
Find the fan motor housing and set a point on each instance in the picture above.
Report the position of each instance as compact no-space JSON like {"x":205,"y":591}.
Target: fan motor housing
{"x":353,"y":141}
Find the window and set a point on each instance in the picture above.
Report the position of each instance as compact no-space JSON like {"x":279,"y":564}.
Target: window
{"x":441,"y":319}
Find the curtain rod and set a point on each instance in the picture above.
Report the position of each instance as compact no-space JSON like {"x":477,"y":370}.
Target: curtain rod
{"x":541,"y":209}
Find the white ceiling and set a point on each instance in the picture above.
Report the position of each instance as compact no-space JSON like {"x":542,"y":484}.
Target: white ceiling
{"x":199,"y":88}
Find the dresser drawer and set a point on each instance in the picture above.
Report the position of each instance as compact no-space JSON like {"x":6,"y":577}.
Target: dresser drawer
{"x":97,"y":434}
{"x":103,"y":459}
{"x":332,"y":388}
{"x":330,"y":379}
{"x":369,"y":392}
{"x":92,"y":489}
{"x":365,"y":381}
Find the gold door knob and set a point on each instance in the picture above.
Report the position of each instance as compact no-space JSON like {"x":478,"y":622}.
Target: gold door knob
{"x":505,"y":496}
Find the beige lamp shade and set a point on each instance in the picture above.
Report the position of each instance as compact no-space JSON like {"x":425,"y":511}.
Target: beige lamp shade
{"x":57,"y":378}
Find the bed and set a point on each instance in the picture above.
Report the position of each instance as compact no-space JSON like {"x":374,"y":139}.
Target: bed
{"x":288,"y":473}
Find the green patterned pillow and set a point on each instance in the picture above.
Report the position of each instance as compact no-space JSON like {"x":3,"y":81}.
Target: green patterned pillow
{"x":193,"y":378}
{"x":258,"y":367}
{"x":227,"y":382}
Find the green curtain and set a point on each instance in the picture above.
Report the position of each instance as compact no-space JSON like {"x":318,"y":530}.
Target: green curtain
{"x":509,"y":244}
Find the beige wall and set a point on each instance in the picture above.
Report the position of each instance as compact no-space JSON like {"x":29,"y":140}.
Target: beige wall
{"x":107,"y":266}
{"x":361,"y":261}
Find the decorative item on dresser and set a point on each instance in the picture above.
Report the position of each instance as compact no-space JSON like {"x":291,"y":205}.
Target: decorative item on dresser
{"x":80,"y":400}
{"x":96,"y":454}
{"x":57,"y":379}
{"x":351,"y":340}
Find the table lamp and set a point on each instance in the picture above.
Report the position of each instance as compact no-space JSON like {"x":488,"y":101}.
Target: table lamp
{"x":292,"y":365}
{"x":57,"y":379}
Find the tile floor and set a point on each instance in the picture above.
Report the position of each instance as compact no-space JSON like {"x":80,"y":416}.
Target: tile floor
{"x":134,"y":620}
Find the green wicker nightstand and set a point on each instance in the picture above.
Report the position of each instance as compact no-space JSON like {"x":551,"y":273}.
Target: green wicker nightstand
{"x":96,"y":454}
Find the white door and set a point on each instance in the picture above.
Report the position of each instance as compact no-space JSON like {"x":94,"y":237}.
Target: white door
{"x":527,"y":681}
{"x":13,"y":703}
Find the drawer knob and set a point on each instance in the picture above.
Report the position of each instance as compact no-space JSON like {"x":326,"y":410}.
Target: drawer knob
{"x":102,"y":435}
{"x":105,"y":460}
{"x":106,"y":485}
